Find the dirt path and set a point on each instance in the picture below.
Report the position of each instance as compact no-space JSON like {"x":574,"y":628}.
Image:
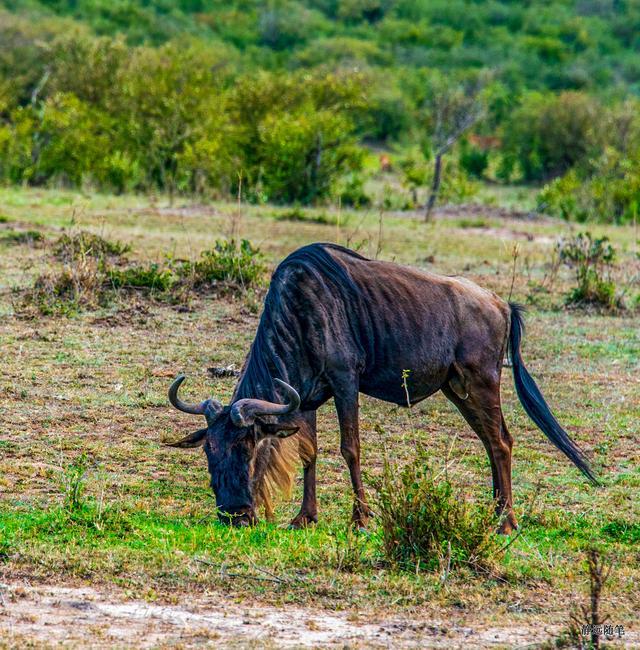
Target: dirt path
{"x":45,"y":616}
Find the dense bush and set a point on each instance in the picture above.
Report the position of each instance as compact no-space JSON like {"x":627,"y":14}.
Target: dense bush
{"x":609,"y":193}
{"x":278,"y":98}
{"x":592,"y":260}
{"x":229,"y":261}
{"x":94,"y":274}
{"x":606,"y":186}
{"x":474,"y":161}
{"x":169,"y":118}
{"x":549,"y":134}
{"x":152,"y":277}
{"x":426,"y":523}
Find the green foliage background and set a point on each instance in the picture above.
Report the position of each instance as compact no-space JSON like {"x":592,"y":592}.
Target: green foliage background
{"x":281,"y":96}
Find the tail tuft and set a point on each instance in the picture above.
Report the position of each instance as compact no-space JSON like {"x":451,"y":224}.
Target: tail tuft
{"x":534,"y":403}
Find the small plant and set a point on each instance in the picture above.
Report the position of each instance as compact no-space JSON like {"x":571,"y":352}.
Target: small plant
{"x":73,"y":483}
{"x":80,"y":285}
{"x":426,"y":523}
{"x":350,"y":546}
{"x":6,"y":549}
{"x":4,"y":218}
{"x":472,"y":223}
{"x":30,"y":237}
{"x":592,"y":259}
{"x":586,"y":625}
{"x":86,"y":244}
{"x":296,"y":214}
{"x":152,"y":277}
{"x":474,"y":161}
{"x":352,"y":193}
{"x":228,"y":261}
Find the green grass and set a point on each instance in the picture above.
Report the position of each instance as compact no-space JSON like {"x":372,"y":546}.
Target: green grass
{"x":96,"y":384}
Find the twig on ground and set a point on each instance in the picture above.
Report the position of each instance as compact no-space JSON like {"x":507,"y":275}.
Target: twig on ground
{"x":271,"y":577}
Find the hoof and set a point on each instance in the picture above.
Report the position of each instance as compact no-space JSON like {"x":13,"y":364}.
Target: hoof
{"x":302,"y":521}
{"x":507,"y":527}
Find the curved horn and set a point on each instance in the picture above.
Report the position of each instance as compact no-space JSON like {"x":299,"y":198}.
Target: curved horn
{"x":207,"y":408}
{"x":245,"y":411}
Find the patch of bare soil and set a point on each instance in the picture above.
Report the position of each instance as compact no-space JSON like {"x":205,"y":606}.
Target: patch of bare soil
{"x":137,"y":313}
{"x":46,"y":616}
{"x":197,"y":209}
{"x":492,"y":211}
{"x":509,"y":234}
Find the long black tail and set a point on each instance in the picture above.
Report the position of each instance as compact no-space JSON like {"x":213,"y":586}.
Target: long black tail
{"x":534,"y":403}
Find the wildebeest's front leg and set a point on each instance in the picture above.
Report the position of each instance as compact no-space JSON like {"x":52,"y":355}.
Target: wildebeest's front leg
{"x":308,"y":449}
{"x":346,"y":400}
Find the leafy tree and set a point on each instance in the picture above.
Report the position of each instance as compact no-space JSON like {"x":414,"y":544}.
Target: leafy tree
{"x":168,"y":97}
{"x":451,"y":110}
{"x":548,"y":134}
{"x":302,"y":152}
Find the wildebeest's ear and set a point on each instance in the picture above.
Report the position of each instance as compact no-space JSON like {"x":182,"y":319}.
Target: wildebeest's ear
{"x":195,"y":439}
{"x":280,"y":430}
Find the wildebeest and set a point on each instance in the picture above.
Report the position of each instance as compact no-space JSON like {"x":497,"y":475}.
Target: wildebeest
{"x":336,"y":324}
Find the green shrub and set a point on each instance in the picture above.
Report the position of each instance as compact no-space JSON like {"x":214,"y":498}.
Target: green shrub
{"x":296,"y":133}
{"x":415,"y":172}
{"x":548,"y":134}
{"x":425,"y":521}
{"x":86,"y":244}
{"x":303,"y":152}
{"x":296,"y":214}
{"x":560,"y":197}
{"x":120,"y":172}
{"x":30,"y":237}
{"x":152,"y":277}
{"x":608,"y":192}
{"x":61,"y":142}
{"x":456,"y":186}
{"x":352,"y":194}
{"x":228,"y":261}
{"x":474,"y":161}
{"x":592,"y":259}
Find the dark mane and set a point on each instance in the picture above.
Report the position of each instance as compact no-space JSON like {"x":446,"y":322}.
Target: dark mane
{"x":278,"y":320}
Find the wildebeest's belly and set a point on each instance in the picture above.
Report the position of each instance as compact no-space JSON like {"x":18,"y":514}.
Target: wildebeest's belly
{"x":392,"y":384}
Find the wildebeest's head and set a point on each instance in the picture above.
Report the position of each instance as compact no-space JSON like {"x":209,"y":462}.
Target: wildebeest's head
{"x":230,"y":440}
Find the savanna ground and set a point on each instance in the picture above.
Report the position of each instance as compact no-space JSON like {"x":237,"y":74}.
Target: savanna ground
{"x":142,"y":560}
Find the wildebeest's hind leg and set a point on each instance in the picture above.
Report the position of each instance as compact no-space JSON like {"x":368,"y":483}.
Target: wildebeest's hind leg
{"x":308,"y":450}
{"x":482,"y":410}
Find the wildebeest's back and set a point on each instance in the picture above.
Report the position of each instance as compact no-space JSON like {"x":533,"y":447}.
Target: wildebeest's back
{"x":420,"y":322}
